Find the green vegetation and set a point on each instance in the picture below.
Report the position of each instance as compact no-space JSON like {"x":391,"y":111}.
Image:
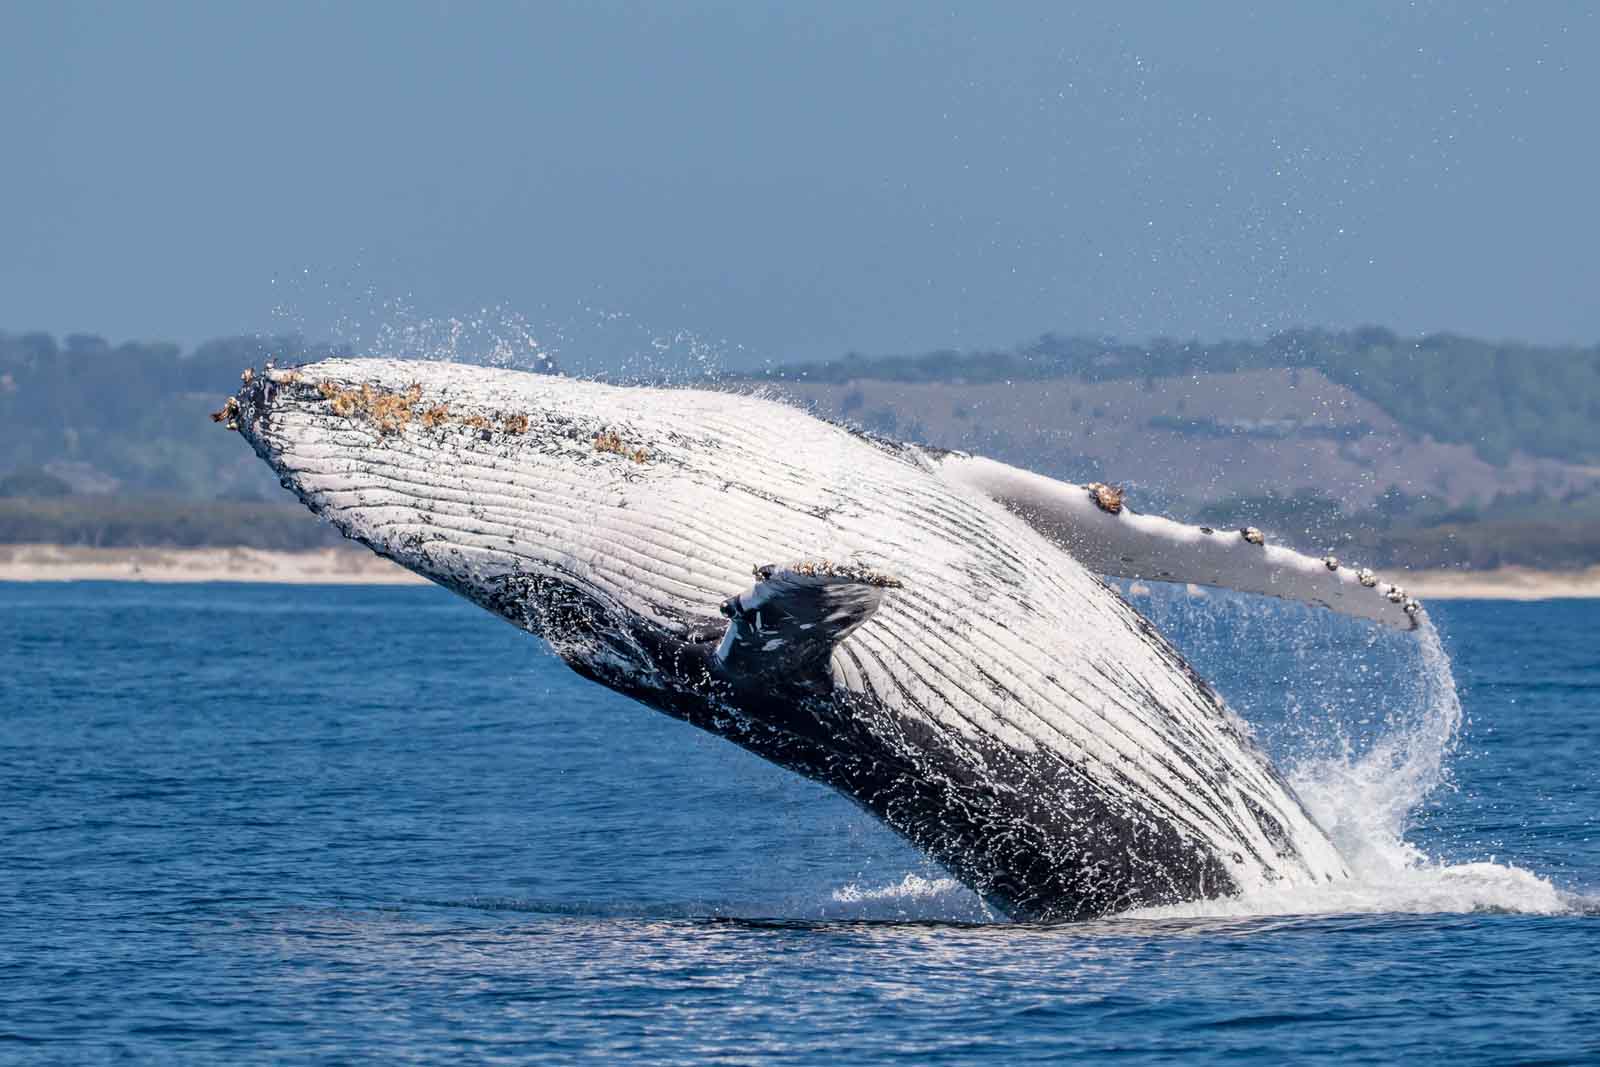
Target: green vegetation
{"x":111,"y":445}
{"x":1523,"y":529}
{"x":35,"y":482}
{"x":1553,"y":544}
{"x":1496,"y":396}
{"x":1262,"y":429}
{"x":130,"y":418}
{"x":160,"y":522}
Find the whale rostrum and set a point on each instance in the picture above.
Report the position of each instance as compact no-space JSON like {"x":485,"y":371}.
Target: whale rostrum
{"x":927,"y":632}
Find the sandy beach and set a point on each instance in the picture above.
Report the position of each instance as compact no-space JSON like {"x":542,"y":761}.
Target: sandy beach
{"x":343,"y":565}
{"x":1504,"y":583}
{"x":351,"y":565}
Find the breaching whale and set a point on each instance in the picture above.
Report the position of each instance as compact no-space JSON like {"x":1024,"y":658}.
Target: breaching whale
{"x":924,"y":631}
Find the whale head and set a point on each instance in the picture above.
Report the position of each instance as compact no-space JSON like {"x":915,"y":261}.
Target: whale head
{"x":586,"y":513}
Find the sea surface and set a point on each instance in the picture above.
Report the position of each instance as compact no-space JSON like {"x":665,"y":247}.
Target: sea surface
{"x":250,"y":824}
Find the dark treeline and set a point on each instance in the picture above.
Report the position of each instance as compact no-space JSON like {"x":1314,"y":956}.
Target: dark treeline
{"x":161,"y":522}
{"x":81,"y":415}
{"x":1527,"y":529}
{"x":85,"y":416}
{"x":111,"y":445}
{"x":131,"y":416}
{"x":1496,"y":396}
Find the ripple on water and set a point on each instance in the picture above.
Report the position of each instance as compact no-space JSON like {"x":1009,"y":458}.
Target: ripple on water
{"x":406,"y":835}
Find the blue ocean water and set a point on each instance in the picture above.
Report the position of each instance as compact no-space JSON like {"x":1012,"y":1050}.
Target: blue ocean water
{"x":256,"y":824}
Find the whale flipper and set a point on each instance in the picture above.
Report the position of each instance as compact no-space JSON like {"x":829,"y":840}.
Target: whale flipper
{"x":788,"y":622}
{"x":1090,"y":522}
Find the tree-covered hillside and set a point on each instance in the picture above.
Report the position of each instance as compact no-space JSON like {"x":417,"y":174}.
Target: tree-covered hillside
{"x":130,"y":417}
{"x":83,"y":416}
{"x":1318,"y":437}
{"x":1498,"y":397}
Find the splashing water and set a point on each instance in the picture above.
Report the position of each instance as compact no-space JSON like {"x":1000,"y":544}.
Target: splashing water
{"x":1367,"y":800}
{"x":499,"y":336}
{"x":1362,"y":775}
{"x":583,"y":340}
{"x":911,"y":887}
{"x":914,"y":897}
{"x":490,"y":336}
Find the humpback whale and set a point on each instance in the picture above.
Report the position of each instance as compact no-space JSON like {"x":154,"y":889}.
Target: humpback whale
{"x":927,"y":632}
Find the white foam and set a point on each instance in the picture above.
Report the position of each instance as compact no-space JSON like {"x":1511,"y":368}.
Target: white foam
{"x":1418,"y":889}
{"x":1365,"y":801}
{"x":915,"y":897}
{"x":912,"y":887}
{"x":1365,"y":796}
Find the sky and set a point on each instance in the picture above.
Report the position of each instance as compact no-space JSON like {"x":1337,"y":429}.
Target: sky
{"x":748,"y":183}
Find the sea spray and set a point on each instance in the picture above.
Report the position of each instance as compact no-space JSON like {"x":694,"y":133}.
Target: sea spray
{"x":1363,"y":758}
{"x":1363,"y":722}
{"x":1366,"y":801}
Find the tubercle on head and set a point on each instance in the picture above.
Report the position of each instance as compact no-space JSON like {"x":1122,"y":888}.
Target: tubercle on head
{"x":391,"y":411}
{"x":228,"y":413}
{"x":611,"y":441}
{"x":1108,"y":498}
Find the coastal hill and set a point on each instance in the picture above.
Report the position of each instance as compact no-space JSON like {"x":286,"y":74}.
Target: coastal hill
{"x":1436,"y":451}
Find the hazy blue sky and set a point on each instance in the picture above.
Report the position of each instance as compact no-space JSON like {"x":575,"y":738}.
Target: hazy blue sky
{"x":798,"y":180}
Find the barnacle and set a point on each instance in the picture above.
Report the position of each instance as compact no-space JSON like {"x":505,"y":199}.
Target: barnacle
{"x":611,"y":441}
{"x":1107,"y":498}
{"x":389,"y":410}
{"x":228,"y":414}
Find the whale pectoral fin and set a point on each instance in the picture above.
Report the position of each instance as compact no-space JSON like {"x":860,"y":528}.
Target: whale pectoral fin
{"x":789,"y":621}
{"x":1090,"y":522}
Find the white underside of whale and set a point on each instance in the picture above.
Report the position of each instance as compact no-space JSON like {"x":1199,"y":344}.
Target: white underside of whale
{"x":658,"y":502}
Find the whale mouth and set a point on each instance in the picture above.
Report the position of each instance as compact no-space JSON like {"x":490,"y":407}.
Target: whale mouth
{"x":488,"y":482}
{"x":401,"y":457}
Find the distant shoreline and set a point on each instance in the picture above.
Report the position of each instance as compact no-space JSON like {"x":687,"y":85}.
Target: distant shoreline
{"x":1504,"y":583}
{"x":343,"y":565}
{"x":349,"y":565}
